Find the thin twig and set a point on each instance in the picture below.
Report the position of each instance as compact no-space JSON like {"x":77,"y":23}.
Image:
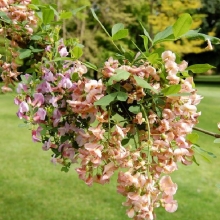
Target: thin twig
{"x":207,"y":132}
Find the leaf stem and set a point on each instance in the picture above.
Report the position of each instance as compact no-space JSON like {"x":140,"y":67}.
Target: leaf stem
{"x":146,"y":120}
{"x":138,"y":135}
{"x":109,"y":125}
{"x":207,"y":132}
{"x":135,"y":142}
{"x":149,"y":134}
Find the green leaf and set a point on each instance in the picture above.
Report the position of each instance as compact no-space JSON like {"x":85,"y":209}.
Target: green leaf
{"x":35,"y":2}
{"x":75,"y":77}
{"x":203,"y":152}
{"x":24,"y":53}
{"x":193,"y":137}
{"x":30,"y":70}
{"x":120,"y":75}
{"x":193,"y":34}
{"x":161,"y":36}
{"x":116,"y":86}
{"x":36,"y":37}
{"x":195,"y":161}
{"x":75,"y":11}
{"x":65,"y":169}
{"x":144,"y":84}
{"x":145,"y":32}
{"x":43,"y":132}
{"x":91,"y":66}
{"x":5,"y":17}
{"x":129,"y":56}
{"x":54,"y":7}
{"x":95,"y":16}
{"x":61,"y":59}
{"x":134,"y":109}
{"x":117,"y":27}
{"x":182,"y":25}
{"x":125,"y":141}
{"x":36,"y":50}
{"x":180,"y":94}
{"x":122,"y":96}
{"x":77,"y":52}
{"x":64,"y":138}
{"x":199,"y":68}
{"x":120,"y":34}
{"x":217,"y":141}
{"x":66,"y":15}
{"x":48,"y":15}
{"x":39,"y":15}
{"x":153,"y":58}
{"x":23,"y":79}
{"x":173,"y":89}
{"x":145,"y":42}
{"x":106,"y":100}
{"x":33,"y":7}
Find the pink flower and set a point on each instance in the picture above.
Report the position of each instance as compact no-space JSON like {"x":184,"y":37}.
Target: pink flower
{"x":65,"y":83}
{"x":44,"y":87}
{"x":95,"y":148}
{"x":168,"y":202}
{"x":54,"y":100}
{"x":168,"y":56}
{"x":164,"y":126}
{"x":119,"y":131}
{"x":47,"y":145}
{"x":184,"y":155}
{"x":171,"y":67}
{"x":167,"y":185}
{"x":38,"y":100}
{"x":36,"y":136}
{"x":6,"y":89}
{"x":49,"y":76}
{"x":68,"y":152}
{"x":81,"y":172}
{"x":21,"y":87}
{"x":152,"y":72}
{"x":40,"y":115}
{"x":182,"y":66}
{"x":23,"y":107}
{"x":139,"y":118}
{"x":168,"y":114}
{"x":181,"y":142}
{"x":48,"y":48}
{"x":108,"y":171}
{"x":63,"y":52}
{"x":173,"y":79}
{"x":97,"y":132}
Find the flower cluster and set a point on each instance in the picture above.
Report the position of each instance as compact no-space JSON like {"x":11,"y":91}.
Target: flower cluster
{"x":128,"y":119}
{"x":17,"y":27}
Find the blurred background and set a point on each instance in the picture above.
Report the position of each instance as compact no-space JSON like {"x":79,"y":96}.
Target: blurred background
{"x":31,"y":188}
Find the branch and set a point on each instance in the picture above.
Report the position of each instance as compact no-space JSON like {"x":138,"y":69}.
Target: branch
{"x":207,"y":132}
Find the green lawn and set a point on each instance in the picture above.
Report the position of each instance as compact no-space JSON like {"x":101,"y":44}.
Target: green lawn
{"x":31,"y":188}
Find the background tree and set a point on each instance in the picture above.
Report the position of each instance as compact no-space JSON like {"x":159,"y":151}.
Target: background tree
{"x":210,"y":25}
{"x":155,"y":15}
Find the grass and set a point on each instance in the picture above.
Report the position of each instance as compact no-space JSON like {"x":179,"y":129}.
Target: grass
{"x":31,"y":188}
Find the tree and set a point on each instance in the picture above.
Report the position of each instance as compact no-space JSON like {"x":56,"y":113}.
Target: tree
{"x":210,"y":25}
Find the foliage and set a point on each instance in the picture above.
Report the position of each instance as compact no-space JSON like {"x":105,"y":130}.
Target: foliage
{"x":211,"y":26}
{"x":136,"y":119}
{"x":155,"y":15}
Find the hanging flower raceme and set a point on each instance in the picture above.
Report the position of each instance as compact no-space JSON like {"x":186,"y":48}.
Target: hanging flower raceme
{"x":17,"y":27}
{"x":134,"y":119}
